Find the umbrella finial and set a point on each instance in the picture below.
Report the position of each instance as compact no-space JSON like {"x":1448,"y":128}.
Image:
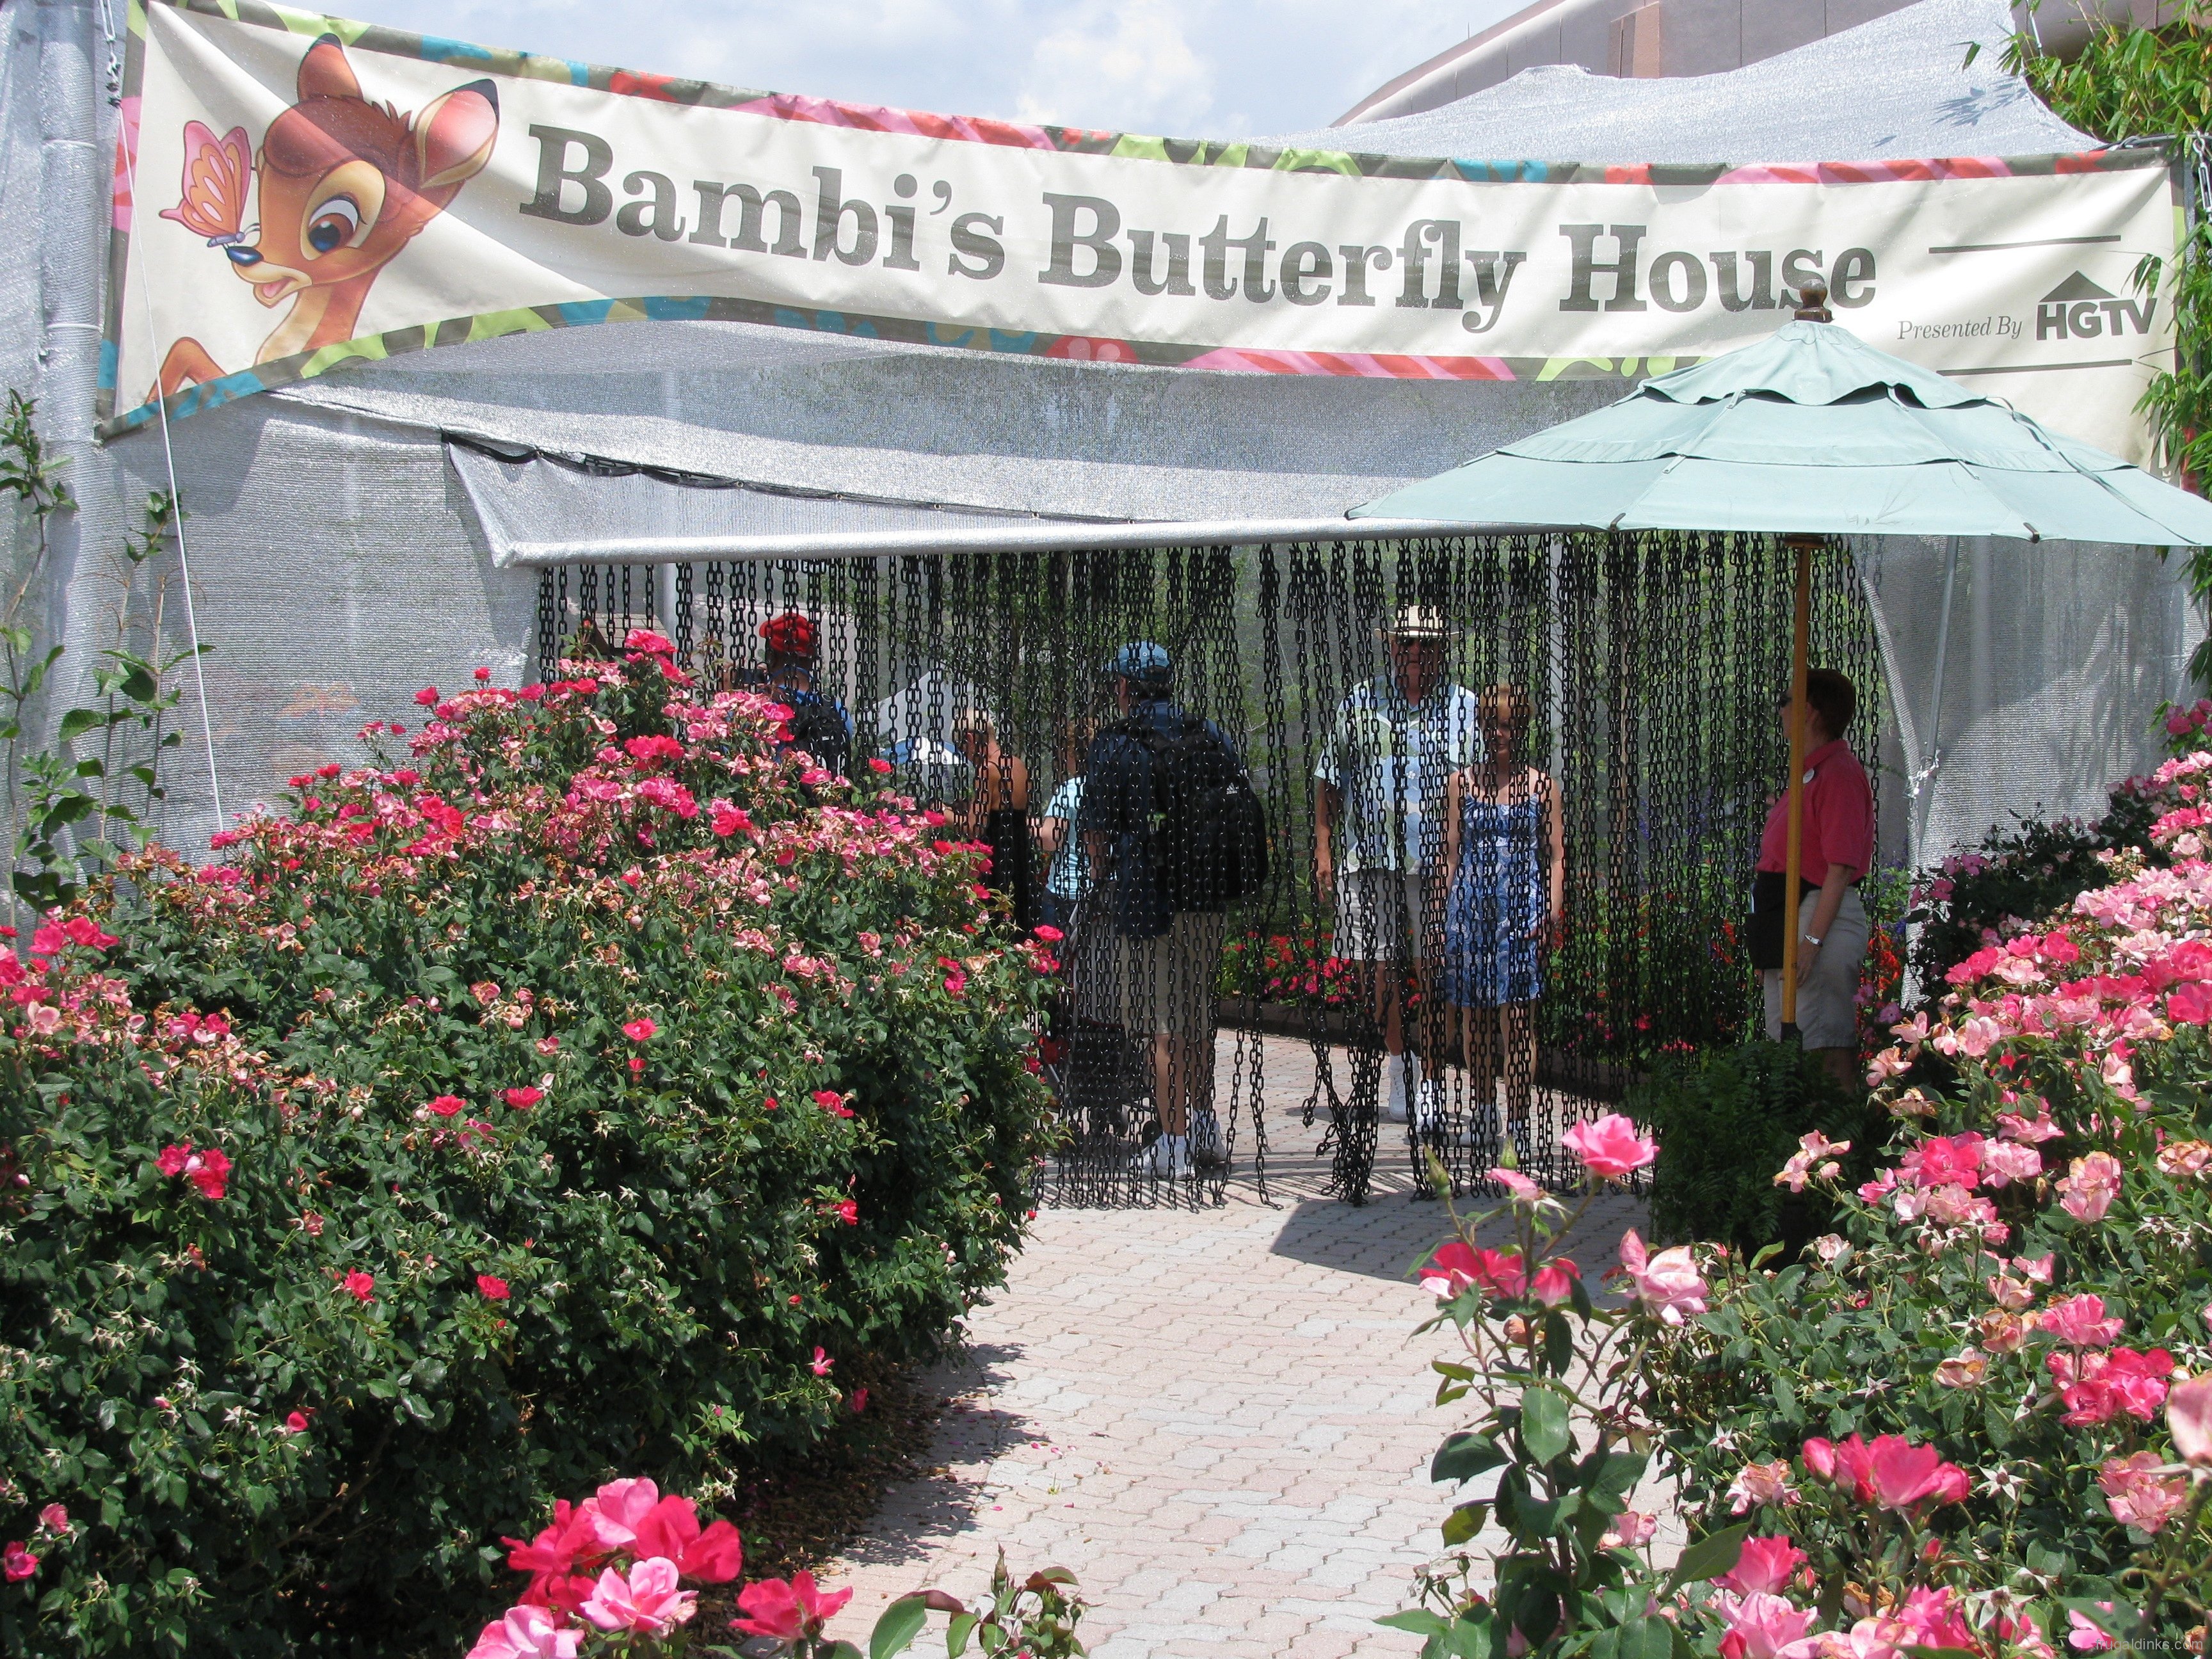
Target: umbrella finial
{"x":1813,"y":303}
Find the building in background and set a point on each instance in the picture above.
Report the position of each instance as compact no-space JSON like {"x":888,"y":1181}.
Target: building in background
{"x":1644,"y":39}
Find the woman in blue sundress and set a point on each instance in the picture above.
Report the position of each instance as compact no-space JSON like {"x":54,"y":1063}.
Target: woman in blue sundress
{"x":1504,"y":857}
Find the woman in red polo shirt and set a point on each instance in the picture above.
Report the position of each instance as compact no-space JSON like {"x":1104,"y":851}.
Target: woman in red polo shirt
{"x":1835,"y":850}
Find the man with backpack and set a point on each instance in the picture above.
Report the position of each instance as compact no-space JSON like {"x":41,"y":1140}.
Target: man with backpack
{"x":1174,"y":837}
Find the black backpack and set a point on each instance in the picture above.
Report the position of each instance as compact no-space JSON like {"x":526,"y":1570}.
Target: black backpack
{"x":817,"y":727}
{"x":1208,"y":845}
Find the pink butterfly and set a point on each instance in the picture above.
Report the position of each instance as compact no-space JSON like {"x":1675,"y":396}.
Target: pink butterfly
{"x":218,"y":173}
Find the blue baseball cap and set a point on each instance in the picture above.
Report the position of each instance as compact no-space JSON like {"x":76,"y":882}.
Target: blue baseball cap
{"x":1140,"y":661}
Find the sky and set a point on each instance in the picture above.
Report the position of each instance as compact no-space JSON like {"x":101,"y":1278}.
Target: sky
{"x":1184,"y":68}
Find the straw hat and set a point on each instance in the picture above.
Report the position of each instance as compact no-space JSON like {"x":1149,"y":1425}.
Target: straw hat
{"x":1415,"y":622}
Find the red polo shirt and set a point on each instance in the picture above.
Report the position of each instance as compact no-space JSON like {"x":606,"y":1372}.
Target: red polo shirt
{"x":1839,"y":819}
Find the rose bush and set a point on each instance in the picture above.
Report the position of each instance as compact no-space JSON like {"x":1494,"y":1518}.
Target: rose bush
{"x":608,"y":1576}
{"x":2025,"y":1287}
{"x":589,"y":1086}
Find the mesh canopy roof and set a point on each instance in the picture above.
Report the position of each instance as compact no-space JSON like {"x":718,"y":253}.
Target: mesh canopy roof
{"x":1911,"y":93}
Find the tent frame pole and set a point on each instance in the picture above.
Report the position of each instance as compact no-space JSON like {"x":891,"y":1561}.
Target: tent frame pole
{"x":1793,"y":858}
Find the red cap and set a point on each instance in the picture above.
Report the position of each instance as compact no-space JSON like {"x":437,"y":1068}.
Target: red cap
{"x":790,"y":634}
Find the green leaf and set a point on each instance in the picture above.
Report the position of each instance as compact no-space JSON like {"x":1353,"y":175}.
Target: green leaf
{"x":1420,"y":1620}
{"x":78,"y":722}
{"x":1465,"y":1455}
{"x":1651,"y":1638}
{"x":1463,"y":1522}
{"x":1544,"y":1429}
{"x":1711,"y":1556}
{"x":1618,"y":1475}
{"x":901,"y":1622}
{"x":956,"y":1636}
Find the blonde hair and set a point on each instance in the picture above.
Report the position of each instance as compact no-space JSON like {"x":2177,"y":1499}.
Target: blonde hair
{"x":973,"y":723}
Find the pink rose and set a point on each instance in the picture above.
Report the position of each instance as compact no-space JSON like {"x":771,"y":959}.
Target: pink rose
{"x":821,"y":1363}
{"x":640,"y":1030}
{"x":791,"y":1612}
{"x":1764,"y":1567}
{"x":671,"y":1530}
{"x":296,"y":1422}
{"x":360,"y":1286}
{"x":2081,"y":1321}
{"x":1554,"y":1281}
{"x":492,"y":1288}
{"x":1610,"y":1147}
{"x":54,"y":1519}
{"x":446,"y":1105}
{"x":1892,"y":1474}
{"x":647,"y":1600}
{"x":18,"y":1563}
{"x":522,"y":1099}
{"x":615,"y":1510}
{"x":1668,"y":1284}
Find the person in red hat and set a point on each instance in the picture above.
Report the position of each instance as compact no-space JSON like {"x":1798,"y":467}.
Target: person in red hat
{"x":819,"y":724}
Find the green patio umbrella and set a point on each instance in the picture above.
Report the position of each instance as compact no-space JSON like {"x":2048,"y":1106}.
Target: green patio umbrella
{"x":1808,"y":433}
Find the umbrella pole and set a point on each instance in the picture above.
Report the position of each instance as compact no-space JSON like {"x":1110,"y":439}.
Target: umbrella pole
{"x":1794,"y":859}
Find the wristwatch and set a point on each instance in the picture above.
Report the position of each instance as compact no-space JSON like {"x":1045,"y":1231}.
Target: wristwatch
{"x":1810,"y":940}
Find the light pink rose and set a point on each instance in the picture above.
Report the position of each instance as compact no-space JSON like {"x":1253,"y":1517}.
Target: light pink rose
{"x":1668,"y":1284}
{"x":1629,"y":1530}
{"x":2090,"y":1185}
{"x":2005,"y":1161}
{"x":1759,"y":1625}
{"x":1610,"y":1147}
{"x":1518,"y":1187}
{"x":2137,"y":1495}
{"x":525,"y":1633}
{"x":1762,"y":1483}
{"x":647,"y":1600}
{"x":2189,"y":1416}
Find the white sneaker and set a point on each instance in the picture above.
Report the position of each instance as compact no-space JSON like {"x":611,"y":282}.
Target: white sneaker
{"x":1205,"y":1139}
{"x":1394,"y":1080}
{"x":1429,"y":1107}
{"x":1168,"y":1156}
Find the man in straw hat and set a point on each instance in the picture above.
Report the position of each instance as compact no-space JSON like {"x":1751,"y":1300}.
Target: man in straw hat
{"x":1378,"y":834}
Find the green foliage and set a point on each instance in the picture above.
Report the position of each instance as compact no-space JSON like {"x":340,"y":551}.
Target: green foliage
{"x":1726,"y":1120}
{"x":73,"y":808}
{"x":531,"y":1056}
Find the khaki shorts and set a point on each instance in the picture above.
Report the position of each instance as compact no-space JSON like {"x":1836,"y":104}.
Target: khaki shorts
{"x":1827,"y":1002}
{"x":1164,"y":986}
{"x":1382,"y":915}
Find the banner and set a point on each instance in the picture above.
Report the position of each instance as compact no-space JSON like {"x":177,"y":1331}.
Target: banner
{"x":294,"y":192}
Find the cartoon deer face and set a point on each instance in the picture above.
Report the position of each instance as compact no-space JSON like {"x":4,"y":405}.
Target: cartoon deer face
{"x":345,"y":186}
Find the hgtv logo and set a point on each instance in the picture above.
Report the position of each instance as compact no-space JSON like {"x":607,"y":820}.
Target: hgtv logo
{"x":2077,"y":309}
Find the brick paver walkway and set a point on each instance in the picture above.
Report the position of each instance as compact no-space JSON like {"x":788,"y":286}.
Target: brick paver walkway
{"x":1219,"y":1420}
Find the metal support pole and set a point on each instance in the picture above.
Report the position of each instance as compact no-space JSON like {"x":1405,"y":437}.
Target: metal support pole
{"x":1793,"y":863}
